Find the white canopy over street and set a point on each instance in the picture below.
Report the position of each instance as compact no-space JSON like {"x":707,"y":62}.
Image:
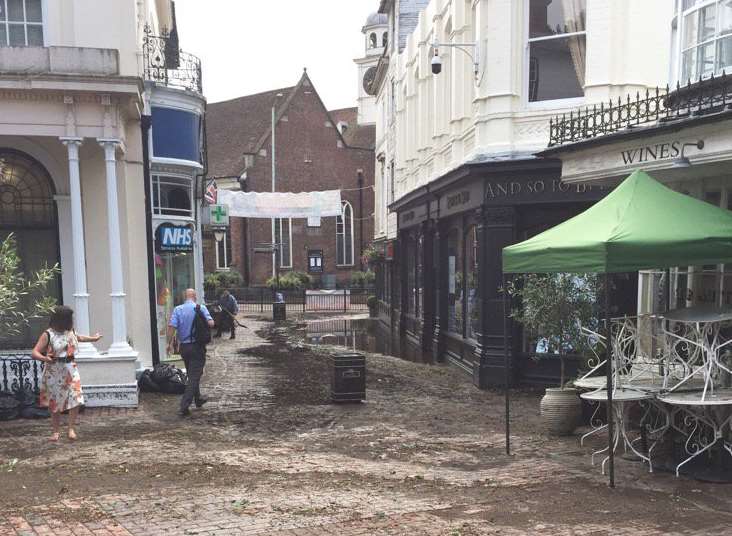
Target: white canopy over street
{"x":281,"y":204}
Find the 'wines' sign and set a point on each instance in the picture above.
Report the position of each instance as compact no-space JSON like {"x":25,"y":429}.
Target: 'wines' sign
{"x":651,"y":153}
{"x":176,"y":238}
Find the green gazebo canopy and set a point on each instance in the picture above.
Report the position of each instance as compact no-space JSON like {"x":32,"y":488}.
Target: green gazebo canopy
{"x":640,"y":225}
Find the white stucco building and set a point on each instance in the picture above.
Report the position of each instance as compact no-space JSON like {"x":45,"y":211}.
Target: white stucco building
{"x":458,"y":177}
{"x":90,"y":95}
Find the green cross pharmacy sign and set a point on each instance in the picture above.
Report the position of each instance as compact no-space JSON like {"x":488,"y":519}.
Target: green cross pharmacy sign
{"x":218,"y":216}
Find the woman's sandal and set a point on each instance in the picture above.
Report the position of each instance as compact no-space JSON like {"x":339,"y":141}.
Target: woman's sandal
{"x":54,"y":437}
{"x":72,"y":435}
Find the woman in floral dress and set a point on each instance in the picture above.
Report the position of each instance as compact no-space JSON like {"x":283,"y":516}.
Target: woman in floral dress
{"x":61,"y":383}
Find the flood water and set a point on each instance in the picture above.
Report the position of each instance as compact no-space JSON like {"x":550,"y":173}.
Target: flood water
{"x":357,"y":334}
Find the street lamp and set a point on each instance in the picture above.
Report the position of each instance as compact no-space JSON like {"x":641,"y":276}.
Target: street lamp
{"x":274,"y":180}
{"x":466,"y":48}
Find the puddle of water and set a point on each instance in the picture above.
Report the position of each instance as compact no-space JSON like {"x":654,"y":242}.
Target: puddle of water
{"x":357,"y":334}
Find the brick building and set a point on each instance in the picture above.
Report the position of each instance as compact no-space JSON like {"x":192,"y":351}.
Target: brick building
{"x":315,"y":149}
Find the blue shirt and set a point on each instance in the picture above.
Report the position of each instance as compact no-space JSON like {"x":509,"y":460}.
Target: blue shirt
{"x":182,"y":320}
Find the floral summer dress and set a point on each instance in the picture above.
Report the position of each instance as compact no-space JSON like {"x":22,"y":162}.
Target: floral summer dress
{"x":61,"y":383}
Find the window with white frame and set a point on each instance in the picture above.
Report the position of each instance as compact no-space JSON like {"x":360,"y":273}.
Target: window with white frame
{"x":344,"y":236}
{"x":283,"y":238}
{"x":557,"y":49}
{"x":172,"y":196}
{"x":223,"y":252}
{"x":706,"y":38}
{"x":21,"y":23}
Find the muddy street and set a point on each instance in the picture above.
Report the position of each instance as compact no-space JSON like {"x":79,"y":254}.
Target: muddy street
{"x":270,"y":455}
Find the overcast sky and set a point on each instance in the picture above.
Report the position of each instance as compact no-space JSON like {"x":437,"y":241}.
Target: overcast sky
{"x":249,"y":46}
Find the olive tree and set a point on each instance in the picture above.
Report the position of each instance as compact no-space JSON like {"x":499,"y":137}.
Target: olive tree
{"x":22,"y":296}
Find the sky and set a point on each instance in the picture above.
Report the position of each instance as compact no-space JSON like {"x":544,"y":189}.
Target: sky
{"x":250,"y":46}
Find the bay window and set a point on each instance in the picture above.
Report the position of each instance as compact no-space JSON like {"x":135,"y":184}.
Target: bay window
{"x":557,"y":49}
{"x":706,"y":38}
{"x":21,"y":23}
{"x":172,"y":195}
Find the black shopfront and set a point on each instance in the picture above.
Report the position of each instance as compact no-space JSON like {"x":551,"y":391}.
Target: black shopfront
{"x":443,"y":301}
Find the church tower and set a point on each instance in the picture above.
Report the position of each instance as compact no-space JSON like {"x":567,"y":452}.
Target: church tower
{"x":376,"y":40}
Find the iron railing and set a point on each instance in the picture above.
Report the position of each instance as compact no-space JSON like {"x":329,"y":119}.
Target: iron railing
{"x":694,"y":99}
{"x":20,"y":373}
{"x":164,"y":63}
{"x":259,"y":300}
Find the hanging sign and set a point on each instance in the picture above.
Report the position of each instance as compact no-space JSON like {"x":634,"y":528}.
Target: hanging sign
{"x":174,"y":238}
{"x":218,"y":215}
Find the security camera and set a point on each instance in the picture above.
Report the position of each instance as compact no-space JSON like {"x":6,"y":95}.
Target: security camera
{"x":436,"y":63}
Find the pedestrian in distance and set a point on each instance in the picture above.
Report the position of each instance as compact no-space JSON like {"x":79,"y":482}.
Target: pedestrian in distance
{"x":190,"y":324}
{"x":229,"y":309}
{"x":61,"y":382}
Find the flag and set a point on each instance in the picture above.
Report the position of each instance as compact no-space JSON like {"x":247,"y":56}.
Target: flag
{"x":211,"y":195}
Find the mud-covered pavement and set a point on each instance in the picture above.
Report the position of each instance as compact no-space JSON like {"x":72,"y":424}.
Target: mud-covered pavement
{"x":269,"y":455}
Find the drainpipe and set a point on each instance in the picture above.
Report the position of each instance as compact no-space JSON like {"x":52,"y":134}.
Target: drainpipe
{"x":145,"y":123}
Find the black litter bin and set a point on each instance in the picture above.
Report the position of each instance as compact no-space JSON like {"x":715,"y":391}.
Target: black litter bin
{"x":349,"y":378}
{"x":279,"y":312}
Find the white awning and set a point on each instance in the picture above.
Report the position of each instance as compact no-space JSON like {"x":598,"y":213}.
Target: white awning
{"x":282,"y":205}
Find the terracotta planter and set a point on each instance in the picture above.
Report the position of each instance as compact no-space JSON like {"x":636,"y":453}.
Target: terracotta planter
{"x":561,"y":410}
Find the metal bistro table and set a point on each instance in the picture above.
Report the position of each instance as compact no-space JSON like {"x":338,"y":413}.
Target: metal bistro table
{"x":698,"y":333}
{"x":704,"y":420}
{"x":622,"y":400}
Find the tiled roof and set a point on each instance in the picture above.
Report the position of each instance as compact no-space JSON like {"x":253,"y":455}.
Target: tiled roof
{"x":234,"y":128}
{"x":358,"y":136}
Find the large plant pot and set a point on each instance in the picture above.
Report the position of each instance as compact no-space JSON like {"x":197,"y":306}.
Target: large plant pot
{"x":561,"y":410}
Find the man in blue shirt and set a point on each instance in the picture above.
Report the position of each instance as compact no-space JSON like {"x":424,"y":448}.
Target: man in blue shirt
{"x":180,"y":327}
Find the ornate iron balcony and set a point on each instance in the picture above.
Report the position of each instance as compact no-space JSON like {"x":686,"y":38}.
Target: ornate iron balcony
{"x":165,"y":64}
{"x":703,"y":97}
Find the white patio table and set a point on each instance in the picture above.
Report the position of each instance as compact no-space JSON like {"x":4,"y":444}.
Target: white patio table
{"x":704,"y":421}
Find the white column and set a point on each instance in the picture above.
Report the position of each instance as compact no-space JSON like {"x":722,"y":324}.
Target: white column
{"x":119,"y":346}
{"x":81,"y":296}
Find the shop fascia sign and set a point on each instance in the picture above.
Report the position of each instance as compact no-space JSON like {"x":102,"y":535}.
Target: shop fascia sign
{"x":174,"y":238}
{"x":651,"y":153}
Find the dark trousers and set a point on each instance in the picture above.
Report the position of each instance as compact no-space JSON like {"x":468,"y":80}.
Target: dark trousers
{"x":226,"y":323}
{"x":194,"y":356}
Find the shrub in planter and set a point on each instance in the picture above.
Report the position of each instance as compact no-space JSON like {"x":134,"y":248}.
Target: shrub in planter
{"x":291,"y":281}
{"x":363,"y":279}
{"x":373,"y":304}
{"x":552,"y":307}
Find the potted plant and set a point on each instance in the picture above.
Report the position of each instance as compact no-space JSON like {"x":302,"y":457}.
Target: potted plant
{"x":552,"y":307}
{"x":372,"y":255}
{"x":373,"y":303}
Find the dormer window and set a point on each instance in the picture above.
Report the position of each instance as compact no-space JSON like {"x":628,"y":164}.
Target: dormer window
{"x":706,"y":38}
{"x":21,"y":23}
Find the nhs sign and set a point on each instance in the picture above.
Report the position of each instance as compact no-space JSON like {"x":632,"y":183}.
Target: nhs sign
{"x":169,"y":237}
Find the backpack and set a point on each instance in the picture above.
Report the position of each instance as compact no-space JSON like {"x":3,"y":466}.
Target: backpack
{"x":201,"y":332}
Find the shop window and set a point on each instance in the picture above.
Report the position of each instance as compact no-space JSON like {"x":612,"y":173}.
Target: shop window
{"x":172,"y":196}
{"x":174,"y":273}
{"x":557,"y":49}
{"x":21,"y":23}
{"x":223,"y":253}
{"x":283,"y":239}
{"x":471,"y":283}
{"x":344,"y":236}
{"x":454,"y":282}
{"x":706,"y":38}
